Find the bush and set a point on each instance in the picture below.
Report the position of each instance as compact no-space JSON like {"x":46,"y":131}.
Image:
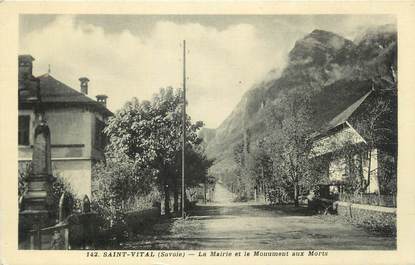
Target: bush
{"x":23,"y":173}
{"x":59,"y":186}
{"x":120,"y":187}
{"x":278,"y":196}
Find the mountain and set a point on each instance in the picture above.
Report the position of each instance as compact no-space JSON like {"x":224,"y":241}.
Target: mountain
{"x":335,"y":70}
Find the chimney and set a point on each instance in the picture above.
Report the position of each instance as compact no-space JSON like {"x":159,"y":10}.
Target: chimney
{"x":84,"y":85}
{"x":102,"y":99}
{"x":28,"y":85}
{"x":25,"y":66}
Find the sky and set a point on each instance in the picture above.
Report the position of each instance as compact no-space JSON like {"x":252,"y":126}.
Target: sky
{"x":127,"y":56}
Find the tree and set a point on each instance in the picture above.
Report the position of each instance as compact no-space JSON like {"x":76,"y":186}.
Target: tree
{"x":289,"y":141}
{"x":196,"y":167}
{"x":377,"y":123}
{"x":146,"y":136}
{"x":196,"y":170}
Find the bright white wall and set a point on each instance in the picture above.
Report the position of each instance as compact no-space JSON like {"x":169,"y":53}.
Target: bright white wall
{"x":77,"y":173}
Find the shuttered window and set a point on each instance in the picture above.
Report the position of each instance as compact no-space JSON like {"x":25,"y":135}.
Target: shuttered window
{"x":24,"y":129}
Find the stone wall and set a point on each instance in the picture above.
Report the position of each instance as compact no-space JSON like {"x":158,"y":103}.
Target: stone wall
{"x":377,"y":218}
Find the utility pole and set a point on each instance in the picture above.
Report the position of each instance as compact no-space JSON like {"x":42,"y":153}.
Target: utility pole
{"x":184,"y":125}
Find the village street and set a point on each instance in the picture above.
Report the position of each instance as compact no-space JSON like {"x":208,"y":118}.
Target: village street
{"x":228,"y":225}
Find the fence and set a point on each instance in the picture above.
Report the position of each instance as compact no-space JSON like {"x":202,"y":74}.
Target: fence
{"x":369,"y":199}
{"x":78,"y":231}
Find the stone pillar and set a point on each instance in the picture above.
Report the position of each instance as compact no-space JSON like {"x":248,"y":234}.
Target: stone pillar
{"x":65,"y":206}
{"x":37,"y":201}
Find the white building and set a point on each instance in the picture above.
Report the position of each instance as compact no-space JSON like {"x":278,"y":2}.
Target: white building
{"x":359,"y":144}
{"x":75,"y":120}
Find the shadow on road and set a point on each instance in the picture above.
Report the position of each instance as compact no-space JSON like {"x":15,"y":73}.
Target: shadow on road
{"x":285,"y":209}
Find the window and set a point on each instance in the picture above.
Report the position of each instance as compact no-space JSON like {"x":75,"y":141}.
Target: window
{"x":100,"y":139}
{"x":24,"y":129}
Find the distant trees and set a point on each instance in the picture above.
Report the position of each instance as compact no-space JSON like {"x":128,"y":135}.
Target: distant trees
{"x":261,"y":167}
{"x":242,"y":182}
{"x":253,"y":171}
{"x":144,"y":150}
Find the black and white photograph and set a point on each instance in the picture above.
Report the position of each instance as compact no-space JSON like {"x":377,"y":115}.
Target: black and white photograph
{"x":207,"y":133}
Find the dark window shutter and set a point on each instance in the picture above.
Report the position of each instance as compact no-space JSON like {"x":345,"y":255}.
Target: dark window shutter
{"x":100,"y":139}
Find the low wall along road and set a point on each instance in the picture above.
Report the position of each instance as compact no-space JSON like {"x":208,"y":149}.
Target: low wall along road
{"x":377,"y":218}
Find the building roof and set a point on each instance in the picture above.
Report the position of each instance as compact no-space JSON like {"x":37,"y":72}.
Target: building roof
{"x":339,"y":131}
{"x":340,"y":121}
{"x":343,"y":116}
{"x":53,"y":91}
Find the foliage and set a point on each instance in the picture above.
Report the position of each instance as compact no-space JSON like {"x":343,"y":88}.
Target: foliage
{"x":254,"y":170}
{"x":116,"y":181}
{"x":388,"y":178}
{"x":378,"y":125}
{"x":260,"y":167}
{"x":144,"y":151}
{"x":289,"y":145}
{"x":59,"y":186}
{"x":150,"y":132}
{"x":242,"y":183}
{"x":278,"y":195}
{"x":196,"y":166}
{"x":281,"y":158}
{"x":23,"y":174}
{"x":278,"y":164}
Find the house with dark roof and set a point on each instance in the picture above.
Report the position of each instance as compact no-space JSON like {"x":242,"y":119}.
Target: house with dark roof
{"x":76,"y":123}
{"x":359,"y":145}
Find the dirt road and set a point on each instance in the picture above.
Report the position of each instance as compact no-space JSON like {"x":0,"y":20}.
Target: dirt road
{"x":227,"y":225}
